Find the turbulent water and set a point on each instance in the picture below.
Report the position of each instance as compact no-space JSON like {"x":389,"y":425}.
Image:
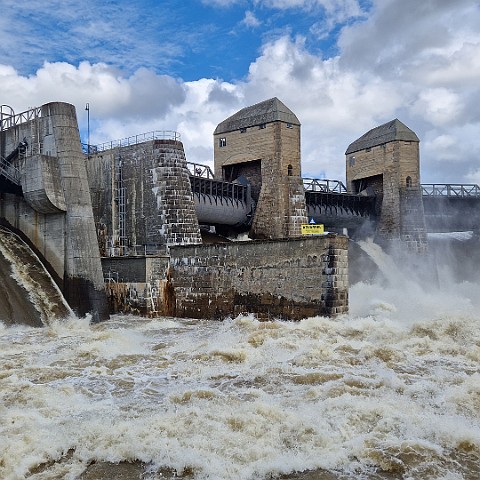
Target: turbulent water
{"x":28,"y":294}
{"x":391,"y":391}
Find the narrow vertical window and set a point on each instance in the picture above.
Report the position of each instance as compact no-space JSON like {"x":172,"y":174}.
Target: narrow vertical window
{"x":289,"y":170}
{"x":222,"y":142}
{"x":409,"y":182}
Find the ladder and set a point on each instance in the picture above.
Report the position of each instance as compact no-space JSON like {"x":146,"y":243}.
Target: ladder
{"x":120,"y":197}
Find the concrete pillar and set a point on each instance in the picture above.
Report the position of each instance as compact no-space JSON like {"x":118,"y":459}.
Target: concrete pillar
{"x":83,"y":278}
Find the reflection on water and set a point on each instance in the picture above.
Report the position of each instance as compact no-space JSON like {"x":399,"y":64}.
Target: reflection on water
{"x":390,"y":392}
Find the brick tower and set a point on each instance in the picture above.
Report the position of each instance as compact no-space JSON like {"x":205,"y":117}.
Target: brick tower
{"x":262,"y":144}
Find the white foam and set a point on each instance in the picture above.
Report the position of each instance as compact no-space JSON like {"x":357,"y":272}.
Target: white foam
{"x":393,"y":385}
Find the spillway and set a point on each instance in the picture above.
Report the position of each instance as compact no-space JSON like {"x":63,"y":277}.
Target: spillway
{"x":28,"y":294}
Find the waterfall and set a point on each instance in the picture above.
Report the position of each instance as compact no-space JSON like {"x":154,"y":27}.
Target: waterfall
{"x":28,"y":294}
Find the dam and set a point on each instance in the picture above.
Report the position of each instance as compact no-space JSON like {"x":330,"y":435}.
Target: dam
{"x":133,"y":226}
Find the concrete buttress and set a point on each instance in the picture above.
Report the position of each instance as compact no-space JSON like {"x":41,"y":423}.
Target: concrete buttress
{"x":83,"y":278}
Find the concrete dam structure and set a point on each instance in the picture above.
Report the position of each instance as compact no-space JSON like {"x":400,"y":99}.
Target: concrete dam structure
{"x":45,"y":199}
{"x":132,"y":226}
{"x":128,"y":223}
{"x":156,"y":214}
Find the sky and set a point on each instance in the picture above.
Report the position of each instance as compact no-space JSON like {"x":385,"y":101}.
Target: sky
{"x":342,"y":66}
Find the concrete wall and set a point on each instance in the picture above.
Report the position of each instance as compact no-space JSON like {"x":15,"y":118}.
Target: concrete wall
{"x":139,"y":285}
{"x":142,"y":196}
{"x":283,"y":279}
{"x":55,"y":211}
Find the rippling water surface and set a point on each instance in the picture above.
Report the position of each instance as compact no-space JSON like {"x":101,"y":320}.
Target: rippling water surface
{"x":391,"y":391}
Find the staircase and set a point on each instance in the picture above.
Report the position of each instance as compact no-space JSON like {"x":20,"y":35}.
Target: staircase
{"x":10,"y":172}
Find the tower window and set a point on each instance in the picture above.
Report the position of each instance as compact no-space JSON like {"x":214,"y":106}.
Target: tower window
{"x":262,"y":126}
{"x":289,"y":125}
{"x":222,"y":142}
{"x":289,"y":170}
{"x":408,"y":181}
{"x":243,"y":130}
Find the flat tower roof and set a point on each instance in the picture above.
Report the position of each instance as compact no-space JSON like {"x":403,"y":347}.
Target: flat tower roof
{"x":388,"y":132}
{"x":268,"y":111}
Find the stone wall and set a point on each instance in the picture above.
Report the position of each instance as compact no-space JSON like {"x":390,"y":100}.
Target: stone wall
{"x":281,"y":207}
{"x":392,"y":171}
{"x":258,"y":142}
{"x":274,"y":279}
{"x":142,"y":196}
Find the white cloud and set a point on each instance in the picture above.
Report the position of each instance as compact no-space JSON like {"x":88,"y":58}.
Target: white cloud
{"x":250,"y":20}
{"x":334,"y":105}
{"x":347,"y":8}
{"x":439,"y":106}
{"x":417,"y":61}
{"x":474,"y":176}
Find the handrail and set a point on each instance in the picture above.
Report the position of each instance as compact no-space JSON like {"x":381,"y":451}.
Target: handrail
{"x":323,"y":185}
{"x":219,"y":189}
{"x":9,"y":171}
{"x":199,"y":170}
{"x":450,"y":190}
{"x":135,"y":140}
{"x":11,"y":120}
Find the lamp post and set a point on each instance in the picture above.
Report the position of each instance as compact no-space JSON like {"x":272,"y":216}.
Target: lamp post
{"x":87,"y":108}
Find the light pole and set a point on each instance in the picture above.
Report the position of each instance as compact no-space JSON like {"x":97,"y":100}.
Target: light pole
{"x":87,"y":108}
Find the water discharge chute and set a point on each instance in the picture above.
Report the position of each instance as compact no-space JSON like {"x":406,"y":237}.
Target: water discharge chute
{"x":28,"y":294}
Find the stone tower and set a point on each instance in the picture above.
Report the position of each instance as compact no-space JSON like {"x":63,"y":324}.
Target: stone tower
{"x":141,"y":195}
{"x":262,"y":144}
{"x":386,"y":160}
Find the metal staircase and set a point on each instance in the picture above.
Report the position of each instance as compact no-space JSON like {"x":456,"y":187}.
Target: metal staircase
{"x":10,"y":172}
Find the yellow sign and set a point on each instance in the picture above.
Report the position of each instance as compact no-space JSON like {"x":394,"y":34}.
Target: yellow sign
{"x":312,"y":229}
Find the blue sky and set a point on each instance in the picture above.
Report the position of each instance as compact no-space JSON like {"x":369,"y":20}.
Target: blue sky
{"x":188,"y":39}
{"x":342,"y":66}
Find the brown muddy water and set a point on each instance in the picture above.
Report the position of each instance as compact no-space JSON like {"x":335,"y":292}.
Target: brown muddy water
{"x":383,"y":395}
{"x":390,"y":391}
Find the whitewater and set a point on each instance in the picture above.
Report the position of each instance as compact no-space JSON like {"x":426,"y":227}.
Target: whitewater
{"x":390,"y":391}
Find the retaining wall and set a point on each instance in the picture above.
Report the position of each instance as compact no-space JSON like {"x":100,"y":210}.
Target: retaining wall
{"x":289,"y":279}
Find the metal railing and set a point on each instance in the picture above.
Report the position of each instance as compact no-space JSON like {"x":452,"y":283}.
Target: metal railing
{"x":9,"y":171}
{"x":8,"y":120}
{"x":134,"y":140}
{"x":199,"y":170}
{"x":216,"y":189}
{"x":450,"y":190}
{"x":323,"y":185}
